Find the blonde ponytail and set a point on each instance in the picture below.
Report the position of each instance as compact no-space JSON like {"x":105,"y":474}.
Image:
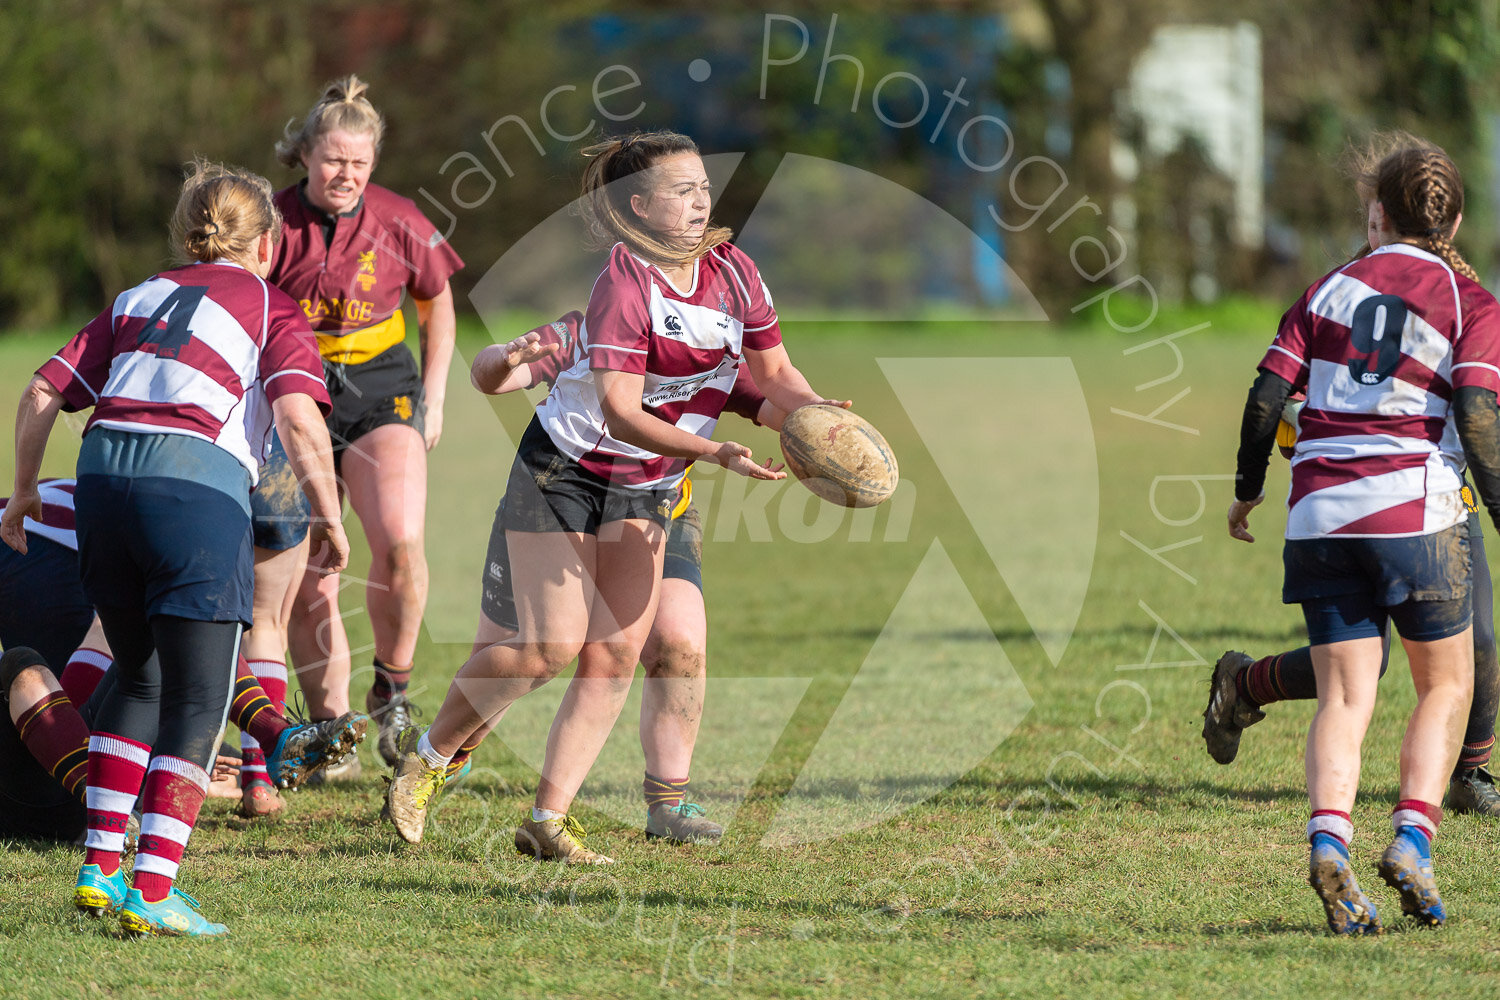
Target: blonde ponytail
{"x":343,"y":107}
{"x":221,"y":214}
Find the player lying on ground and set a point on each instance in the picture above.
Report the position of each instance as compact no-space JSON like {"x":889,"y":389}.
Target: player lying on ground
{"x":675,"y":656}
{"x":44,"y":750}
{"x":596,"y":474}
{"x":185,"y":373}
{"x":1398,"y":353}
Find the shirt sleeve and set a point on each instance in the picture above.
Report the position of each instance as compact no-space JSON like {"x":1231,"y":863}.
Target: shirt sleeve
{"x":1288,"y":354}
{"x":563,"y":332}
{"x":290,"y":362}
{"x":762,"y":326}
{"x":1476,"y":354}
{"x":81,"y":368}
{"x":618,"y":322}
{"x":432,"y":258}
{"x":745,"y":398}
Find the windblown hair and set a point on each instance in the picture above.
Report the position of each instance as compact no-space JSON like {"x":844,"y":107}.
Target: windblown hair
{"x":621,"y":167}
{"x":342,"y":107}
{"x":1419,"y":187}
{"x":221,"y":213}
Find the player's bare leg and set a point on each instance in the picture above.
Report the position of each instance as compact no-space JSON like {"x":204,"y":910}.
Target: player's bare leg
{"x":264,"y":647}
{"x":1347,"y":676}
{"x":676,"y":661}
{"x":385,"y":473}
{"x":1443,"y":674}
{"x":629,"y":559}
{"x":553,"y":591}
{"x":320,"y":646}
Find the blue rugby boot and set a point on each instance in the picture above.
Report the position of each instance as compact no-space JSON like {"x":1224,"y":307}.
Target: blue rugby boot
{"x":175,"y":916}
{"x":305,"y":749}
{"x":1348,"y":909}
{"x":1406,"y":867}
{"x":98,"y":893}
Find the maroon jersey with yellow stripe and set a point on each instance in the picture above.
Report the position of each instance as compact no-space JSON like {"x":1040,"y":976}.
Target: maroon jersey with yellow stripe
{"x":350,"y":289}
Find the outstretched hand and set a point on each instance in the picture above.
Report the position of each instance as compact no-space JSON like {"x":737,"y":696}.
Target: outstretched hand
{"x":737,"y":459}
{"x":527,"y":348}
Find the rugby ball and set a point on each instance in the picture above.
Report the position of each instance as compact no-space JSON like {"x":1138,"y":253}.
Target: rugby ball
{"x":839,"y":456}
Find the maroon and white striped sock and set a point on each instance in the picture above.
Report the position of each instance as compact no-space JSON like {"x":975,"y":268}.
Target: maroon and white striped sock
{"x":175,"y":789}
{"x":83,"y":673}
{"x":116,"y":767}
{"x":1336,"y":824}
{"x":272,"y":677}
{"x":1414,"y":812}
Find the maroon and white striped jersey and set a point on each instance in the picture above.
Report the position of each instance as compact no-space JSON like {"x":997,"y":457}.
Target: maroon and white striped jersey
{"x":57,"y":522}
{"x":1379,"y":346}
{"x":201,"y":350}
{"x":686,"y":344}
{"x":744,"y":399}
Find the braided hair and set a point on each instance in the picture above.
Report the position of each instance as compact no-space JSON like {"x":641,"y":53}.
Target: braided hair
{"x":1421,"y":190}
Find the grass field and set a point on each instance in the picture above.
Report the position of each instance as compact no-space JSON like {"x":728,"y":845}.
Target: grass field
{"x":1015,"y":826}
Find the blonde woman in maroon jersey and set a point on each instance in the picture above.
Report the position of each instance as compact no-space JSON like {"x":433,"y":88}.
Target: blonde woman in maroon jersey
{"x":674,"y":313}
{"x":352,"y":249}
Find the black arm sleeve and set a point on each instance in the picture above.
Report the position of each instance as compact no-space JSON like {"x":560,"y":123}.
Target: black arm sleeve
{"x":1478,"y":424}
{"x":1258,"y":433}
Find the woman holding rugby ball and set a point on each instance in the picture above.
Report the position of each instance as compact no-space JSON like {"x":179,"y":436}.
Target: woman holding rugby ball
{"x":1398,"y":352}
{"x":674,"y":313}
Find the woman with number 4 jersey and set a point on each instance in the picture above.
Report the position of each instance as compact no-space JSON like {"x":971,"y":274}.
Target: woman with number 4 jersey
{"x":186,"y":373}
{"x":1398,"y":353}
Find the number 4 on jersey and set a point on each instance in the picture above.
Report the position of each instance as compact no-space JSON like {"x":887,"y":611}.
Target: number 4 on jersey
{"x":170,"y":327}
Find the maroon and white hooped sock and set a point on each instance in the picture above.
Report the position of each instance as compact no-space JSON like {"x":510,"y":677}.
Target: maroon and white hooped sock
{"x":175,"y":789}
{"x":1338,"y":825}
{"x":1414,"y":812}
{"x":116,"y":768}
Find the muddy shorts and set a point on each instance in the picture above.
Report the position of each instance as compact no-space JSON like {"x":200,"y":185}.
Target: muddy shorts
{"x":279,"y":510}
{"x":1350,"y":587}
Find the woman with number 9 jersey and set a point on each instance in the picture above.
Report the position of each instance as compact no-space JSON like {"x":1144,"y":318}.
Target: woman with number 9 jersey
{"x":186,"y":373}
{"x":1398,"y":352}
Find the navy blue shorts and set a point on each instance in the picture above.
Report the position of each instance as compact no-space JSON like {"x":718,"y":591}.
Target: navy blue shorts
{"x":166,"y":546}
{"x":1350,"y":587}
{"x":42,"y":603}
{"x":279,"y":511}
{"x":683,"y":560}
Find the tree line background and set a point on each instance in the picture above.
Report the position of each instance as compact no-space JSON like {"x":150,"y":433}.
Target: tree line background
{"x":102,"y":103}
